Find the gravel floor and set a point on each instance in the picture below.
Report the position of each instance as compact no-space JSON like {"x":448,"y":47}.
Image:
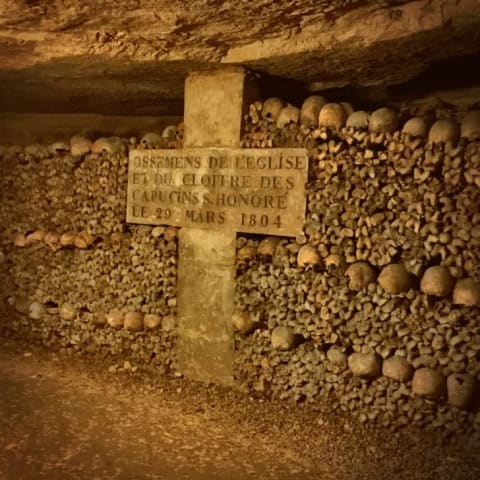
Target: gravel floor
{"x":63,"y":417}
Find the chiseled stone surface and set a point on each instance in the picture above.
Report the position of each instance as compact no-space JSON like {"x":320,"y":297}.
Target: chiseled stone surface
{"x":206,"y":289}
{"x":213,"y":108}
{"x":86,"y":56}
{"x":206,"y":266}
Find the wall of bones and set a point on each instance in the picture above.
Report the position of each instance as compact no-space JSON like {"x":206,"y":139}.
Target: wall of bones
{"x":374,"y":309}
{"x":74,"y":275}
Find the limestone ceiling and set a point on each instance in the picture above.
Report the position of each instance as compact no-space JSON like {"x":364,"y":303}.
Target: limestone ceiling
{"x":131,"y":56}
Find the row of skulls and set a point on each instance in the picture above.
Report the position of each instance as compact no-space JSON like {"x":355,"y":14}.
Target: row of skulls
{"x":317,"y":111}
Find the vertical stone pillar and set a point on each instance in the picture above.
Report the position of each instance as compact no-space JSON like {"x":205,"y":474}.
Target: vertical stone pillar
{"x":214,"y":106}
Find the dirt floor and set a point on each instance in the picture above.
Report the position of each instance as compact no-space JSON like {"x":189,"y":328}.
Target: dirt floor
{"x":64,"y":418}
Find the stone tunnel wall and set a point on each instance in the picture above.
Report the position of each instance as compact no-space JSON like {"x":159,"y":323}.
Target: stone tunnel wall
{"x":351,"y":313}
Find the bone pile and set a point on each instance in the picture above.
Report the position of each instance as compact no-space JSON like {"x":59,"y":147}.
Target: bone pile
{"x":74,"y":275}
{"x":374,"y":308}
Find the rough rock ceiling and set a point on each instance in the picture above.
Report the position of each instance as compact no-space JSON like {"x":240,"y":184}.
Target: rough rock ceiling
{"x":131,"y":56}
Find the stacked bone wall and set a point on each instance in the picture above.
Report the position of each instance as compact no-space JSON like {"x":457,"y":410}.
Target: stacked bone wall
{"x":74,"y":275}
{"x":375,"y":308}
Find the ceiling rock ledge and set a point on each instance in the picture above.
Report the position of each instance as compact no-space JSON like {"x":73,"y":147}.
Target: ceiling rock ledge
{"x":132,"y":56}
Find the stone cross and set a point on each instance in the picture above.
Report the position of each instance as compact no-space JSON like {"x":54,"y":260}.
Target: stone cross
{"x":222,"y":189}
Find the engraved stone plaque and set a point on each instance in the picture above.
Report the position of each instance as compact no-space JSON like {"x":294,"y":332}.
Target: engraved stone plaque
{"x":244,"y":190}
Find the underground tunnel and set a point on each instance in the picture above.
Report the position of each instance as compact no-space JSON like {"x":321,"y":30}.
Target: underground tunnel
{"x":278,"y":202}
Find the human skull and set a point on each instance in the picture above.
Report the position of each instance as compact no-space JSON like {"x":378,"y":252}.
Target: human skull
{"x":169,"y":132}
{"x":36,"y":236}
{"x":67,"y":311}
{"x":289,"y":114}
{"x":358,"y":119}
{"x":80,"y":146}
{"x":272,"y":107}
{"x":151,"y":140}
{"x":470,"y":127}
{"x":443,"y":131}
{"x":308,"y":255}
{"x":332,"y":115}
{"x":383,"y":120}
{"x":115,"y":318}
{"x":268,"y":246}
{"x":416,"y":127}
{"x":310,"y":110}
{"x":37,"y":311}
{"x":110,"y":145}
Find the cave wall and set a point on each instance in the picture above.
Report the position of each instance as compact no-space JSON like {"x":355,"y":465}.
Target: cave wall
{"x":341,"y":315}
